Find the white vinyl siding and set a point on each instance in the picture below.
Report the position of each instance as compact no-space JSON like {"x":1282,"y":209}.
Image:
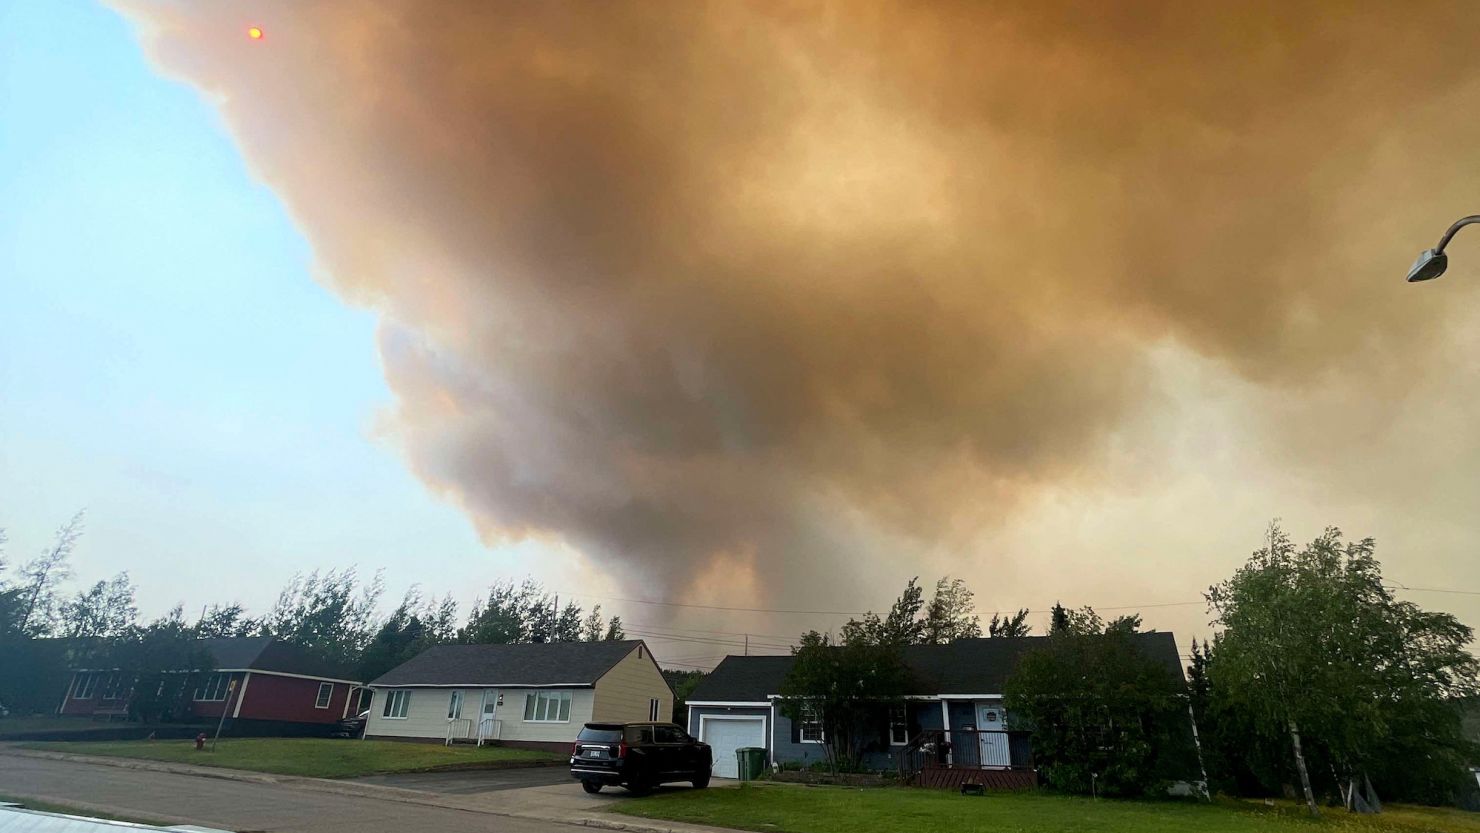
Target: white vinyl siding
{"x":626,"y":692}
{"x":426,"y":715}
{"x":326,"y":695}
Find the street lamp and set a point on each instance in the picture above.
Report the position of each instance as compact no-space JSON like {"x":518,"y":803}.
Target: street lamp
{"x":1431,"y":263}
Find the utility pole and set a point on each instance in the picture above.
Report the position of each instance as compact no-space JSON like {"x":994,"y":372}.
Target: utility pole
{"x":225,"y":708}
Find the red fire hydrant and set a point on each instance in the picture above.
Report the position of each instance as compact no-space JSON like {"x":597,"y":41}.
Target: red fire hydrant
{"x":200,"y":742}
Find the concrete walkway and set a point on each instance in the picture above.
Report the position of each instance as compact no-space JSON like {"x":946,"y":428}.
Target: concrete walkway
{"x":179,"y":793}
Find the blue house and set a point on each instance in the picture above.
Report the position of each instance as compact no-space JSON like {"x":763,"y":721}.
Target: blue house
{"x":956,"y":721}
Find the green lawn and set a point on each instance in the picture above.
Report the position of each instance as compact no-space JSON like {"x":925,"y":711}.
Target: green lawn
{"x":313,"y":757}
{"x":793,"y":809}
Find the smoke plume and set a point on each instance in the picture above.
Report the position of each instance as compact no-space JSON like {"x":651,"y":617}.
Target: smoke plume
{"x":798,"y":286}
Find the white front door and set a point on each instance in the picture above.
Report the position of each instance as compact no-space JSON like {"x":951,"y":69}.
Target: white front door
{"x":992,"y":723}
{"x":486,"y":713}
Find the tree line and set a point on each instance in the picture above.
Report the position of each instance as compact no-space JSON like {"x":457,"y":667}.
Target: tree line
{"x":47,"y":629}
{"x":1319,"y":682}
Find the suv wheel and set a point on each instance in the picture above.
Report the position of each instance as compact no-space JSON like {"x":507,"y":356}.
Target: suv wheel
{"x":592,"y":787}
{"x":639,"y":786}
{"x":701,"y":782}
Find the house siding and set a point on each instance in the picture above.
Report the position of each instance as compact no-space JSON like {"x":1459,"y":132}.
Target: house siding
{"x":288,"y":699}
{"x":426,"y":715}
{"x":623,"y":694}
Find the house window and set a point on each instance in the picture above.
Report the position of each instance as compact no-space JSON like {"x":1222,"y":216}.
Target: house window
{"x":115,"y":689}
{"x":454,"y":706}
{"x":396,"y":704}
{"x":899,"y":725}
{"x":213,"y":688}
{"x":652,"y":710}
{"x":86,"y":683}
{"x":326,"y":693}
{"x":809,"y":729}
{"x":547,"y":707}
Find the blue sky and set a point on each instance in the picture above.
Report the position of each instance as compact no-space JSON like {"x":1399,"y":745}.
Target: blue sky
{"x":166,"y":359}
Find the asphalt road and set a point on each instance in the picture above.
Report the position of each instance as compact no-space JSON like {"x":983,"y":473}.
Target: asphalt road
{"x":474,"y":782}
{"x":240,"y":806}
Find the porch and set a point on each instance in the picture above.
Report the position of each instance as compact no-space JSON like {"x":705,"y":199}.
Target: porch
{"x":997,"y":759}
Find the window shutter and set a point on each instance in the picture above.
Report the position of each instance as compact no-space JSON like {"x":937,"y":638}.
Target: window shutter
{"x":796,"y":730}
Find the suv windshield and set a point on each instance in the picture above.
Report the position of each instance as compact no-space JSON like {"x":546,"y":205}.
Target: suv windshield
{"x":599,"y":735}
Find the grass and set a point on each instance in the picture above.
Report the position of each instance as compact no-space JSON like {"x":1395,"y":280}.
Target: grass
{"x":794,"y":809}
{"x":313,"y":757}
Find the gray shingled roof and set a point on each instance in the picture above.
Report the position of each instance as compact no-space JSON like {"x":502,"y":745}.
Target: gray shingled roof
{"x":571,"y":664}
{"x":966,"y":666}
{"x":263,"y":653}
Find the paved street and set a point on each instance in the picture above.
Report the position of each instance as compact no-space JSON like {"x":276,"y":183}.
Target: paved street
{"x":476,"y":781}
{"x":240,"y":806}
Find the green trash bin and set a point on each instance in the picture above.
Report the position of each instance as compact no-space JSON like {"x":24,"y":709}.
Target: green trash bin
{"x":752,"y":760}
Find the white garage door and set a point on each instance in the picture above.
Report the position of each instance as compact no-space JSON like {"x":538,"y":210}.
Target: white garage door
{"x":725,"y":735}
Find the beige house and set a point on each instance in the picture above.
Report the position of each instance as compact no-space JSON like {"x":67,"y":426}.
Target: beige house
{"x":535,"y":695}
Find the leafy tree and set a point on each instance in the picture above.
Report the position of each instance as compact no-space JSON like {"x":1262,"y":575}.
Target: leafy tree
{"x":1315,"y":648}
{"x":1104,"y":716}
{"x":220,"y":621}
{"x":1058,"y":619}
{"x":683,"y":684}
{"x":41,"y":577}
{"x":902,"y":626}
{"x":569,"y":626}
{"x":949,"y":615}
{"x":614,"y":632}
{"x":504,"y":617}
{"x":164,"y":662}
{"x":104,"y":610}
{"x":847,"y":686}
{"x":329,"y":614}
{"x":414,"y":626}
{"x":1013,"y":625}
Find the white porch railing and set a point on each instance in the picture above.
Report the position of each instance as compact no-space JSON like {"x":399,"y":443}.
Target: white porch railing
{"x":458,"y":728}
{"x":489,"y":729}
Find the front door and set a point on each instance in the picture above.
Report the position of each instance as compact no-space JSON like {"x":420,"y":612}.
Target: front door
{"x":486,"y":714}
{"x":992,"y":723}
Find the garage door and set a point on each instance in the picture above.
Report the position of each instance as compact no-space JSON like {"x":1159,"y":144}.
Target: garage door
{"x":727,"y":734}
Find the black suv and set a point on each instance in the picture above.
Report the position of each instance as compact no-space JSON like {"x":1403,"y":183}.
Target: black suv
{"x":639,"y":756}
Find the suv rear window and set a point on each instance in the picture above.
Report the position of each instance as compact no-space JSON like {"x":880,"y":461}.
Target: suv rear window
{"x":639,"y":735}
{"x":602,"y":735}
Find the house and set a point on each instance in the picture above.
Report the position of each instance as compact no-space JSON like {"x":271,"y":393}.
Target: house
{"x":262,"y":685}
{"x":955,"y":721}
{"x":535,"y":695}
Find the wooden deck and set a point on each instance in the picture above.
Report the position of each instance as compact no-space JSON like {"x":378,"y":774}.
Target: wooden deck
{"x":951,"y":778}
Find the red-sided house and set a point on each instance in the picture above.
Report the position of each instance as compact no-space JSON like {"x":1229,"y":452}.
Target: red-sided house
{"x":262,"y":685}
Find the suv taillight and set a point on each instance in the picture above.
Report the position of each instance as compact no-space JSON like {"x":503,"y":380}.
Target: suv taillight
{"x":575,"y":748}
{"x":622,"y":749}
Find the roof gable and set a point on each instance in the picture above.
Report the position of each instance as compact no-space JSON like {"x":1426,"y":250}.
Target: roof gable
{"x":511,"y":666}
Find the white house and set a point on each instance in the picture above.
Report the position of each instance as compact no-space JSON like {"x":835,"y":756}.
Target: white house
{"x":532,"y":695}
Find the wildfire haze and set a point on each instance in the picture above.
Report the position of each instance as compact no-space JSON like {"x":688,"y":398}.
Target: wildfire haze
{"x":785,"y":302}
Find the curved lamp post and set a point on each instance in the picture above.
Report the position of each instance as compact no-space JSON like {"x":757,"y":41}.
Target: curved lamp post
{"x":1432,"y":262}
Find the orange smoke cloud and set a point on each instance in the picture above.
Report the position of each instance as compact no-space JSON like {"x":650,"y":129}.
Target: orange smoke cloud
{"x":816,"y":281}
